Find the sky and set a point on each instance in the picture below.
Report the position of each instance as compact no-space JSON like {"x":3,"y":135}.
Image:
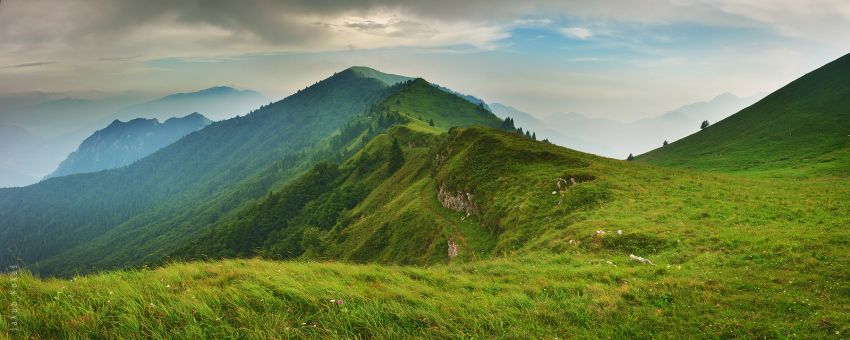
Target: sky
{"x":621,"y":60}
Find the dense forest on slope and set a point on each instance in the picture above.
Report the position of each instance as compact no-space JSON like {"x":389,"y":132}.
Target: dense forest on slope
{"x":77,"y":219}
{"x":802,"y":128}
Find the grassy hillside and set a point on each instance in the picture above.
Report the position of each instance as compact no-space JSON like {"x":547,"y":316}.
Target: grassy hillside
{"x":801,"y":129}
{"x":733,"y":257}
{"x":425,"y":102}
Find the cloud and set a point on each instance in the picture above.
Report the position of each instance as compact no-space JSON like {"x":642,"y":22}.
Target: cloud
{"x":533,"y":22}
{"x":580,"y":33}
{"x":40,"y":63}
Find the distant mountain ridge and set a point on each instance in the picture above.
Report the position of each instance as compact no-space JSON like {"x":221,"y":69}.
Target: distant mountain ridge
{"x":61,"y":121}
{"x":122,"y":143}
{"x":216,"y":103}
{"x":548,"y":131}
{"x":618,"y":139}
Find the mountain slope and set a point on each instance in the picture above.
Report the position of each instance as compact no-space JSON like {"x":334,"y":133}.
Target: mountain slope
{"x":216,"y":103}
{"x":802,"y":127}
{"x":75,"y":213}
{"x":311,"y":205}
{"x":121,"y":143}
{"x":140,"y":213}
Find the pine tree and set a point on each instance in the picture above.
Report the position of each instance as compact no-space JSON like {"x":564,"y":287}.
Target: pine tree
{"x":396,"y":157}
{"x":703,"y":125}
{"x":665,"y":143}
{"x":431,"y":122}
{"x":534,"y":136}
{"x":527,"y":134}
{"x":630,"y":158}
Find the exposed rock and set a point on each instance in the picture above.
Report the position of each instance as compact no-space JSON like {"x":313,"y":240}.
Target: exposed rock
{"x":459,"y":201}
{"x":633,"y":257}
{"x":453,"y":249}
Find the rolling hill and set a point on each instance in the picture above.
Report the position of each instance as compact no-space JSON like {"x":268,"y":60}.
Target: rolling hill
{"x":122,"y":143}
{"x":802,"y":128}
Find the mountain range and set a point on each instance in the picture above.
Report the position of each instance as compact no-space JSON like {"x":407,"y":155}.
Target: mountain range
{"x":58,"y":124}
{"x":122,"y":143}
{"x":738,"y":230}
{"x":617,"y":139}
{"x":136,"y":213}
{"x":216,"y":103}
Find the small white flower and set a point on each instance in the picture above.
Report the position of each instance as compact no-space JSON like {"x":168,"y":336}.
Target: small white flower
{"x":333,"y":301}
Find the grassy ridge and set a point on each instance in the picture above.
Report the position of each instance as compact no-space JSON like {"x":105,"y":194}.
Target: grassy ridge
{"x":802,"y":129}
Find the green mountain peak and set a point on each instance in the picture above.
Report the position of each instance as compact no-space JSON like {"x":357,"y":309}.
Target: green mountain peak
{"x":367,"y":72}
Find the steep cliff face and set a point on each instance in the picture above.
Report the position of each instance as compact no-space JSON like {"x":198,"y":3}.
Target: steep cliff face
{"x":122,"y":143}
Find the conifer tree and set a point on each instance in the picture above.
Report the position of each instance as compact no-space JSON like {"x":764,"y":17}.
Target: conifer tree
{"x":396,"y":157}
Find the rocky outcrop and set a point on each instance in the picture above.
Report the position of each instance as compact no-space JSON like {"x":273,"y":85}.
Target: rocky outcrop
{"x":457,"y":200}
{"x":453,"y":249}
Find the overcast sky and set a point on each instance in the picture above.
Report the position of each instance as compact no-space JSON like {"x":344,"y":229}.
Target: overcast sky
{"x":616,"y":59}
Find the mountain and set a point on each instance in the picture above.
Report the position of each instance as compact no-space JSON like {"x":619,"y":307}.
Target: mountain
{"x":54,"y":124}
{"x":618,"y":139}
{"x":548,"y":131}
{"x":61,"y":121}
{"x":50,"y":115}
{"x":138,"y":213}
{"x":216,"y":103}
{"x":804,"y":126}
{"x":364,"y":185}
{"x":122,"y":143}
